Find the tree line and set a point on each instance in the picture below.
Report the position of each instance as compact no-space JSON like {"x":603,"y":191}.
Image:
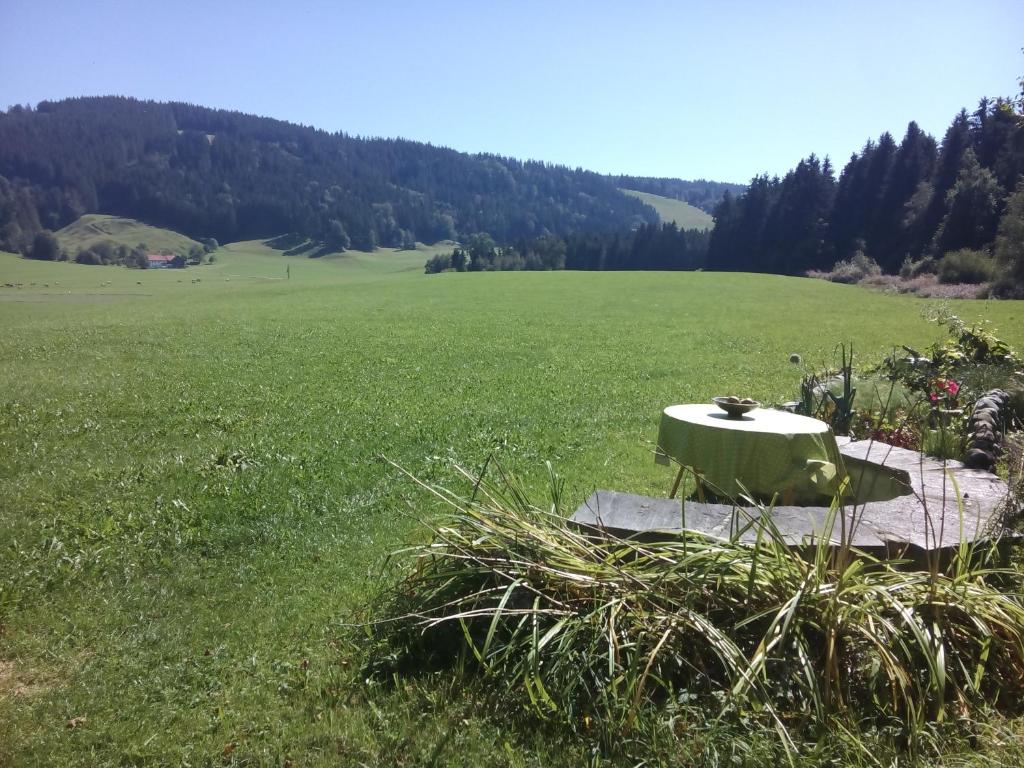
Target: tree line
{"x":894,"y":203}
{"x":700,"y":193}
{"x":954,"y":207}
{"x":649,"y":247}
{"x":232,"y":176}
{"x":46,"y":247}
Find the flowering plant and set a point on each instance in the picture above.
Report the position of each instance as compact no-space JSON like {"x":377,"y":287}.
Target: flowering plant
{"x":943,"y":393}
{"x":896,"y":427}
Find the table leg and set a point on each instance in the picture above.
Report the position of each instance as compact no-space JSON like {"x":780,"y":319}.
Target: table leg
{"x":675,"y":485}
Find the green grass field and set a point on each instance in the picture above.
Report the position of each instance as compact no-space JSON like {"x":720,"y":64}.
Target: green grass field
{"x":95,"y":228}
{"x":194,"y":502}
{"x":683,"y":214}
{"x":237,"y":266}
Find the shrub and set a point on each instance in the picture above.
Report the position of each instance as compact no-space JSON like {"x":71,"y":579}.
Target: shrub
{"x":923,"y":266}
{"x":106,"y":251}
{"x":966,"y":266}
{"x":948,"y":377}
{"x":438,"y":263}
{"x":137,"y":259}
{"x":45,"y":247}
{"x":853,"y":270}
{"x":889,"y":425}
{"x":1009,"y":247}
{"x":887,"y":282}
{"x":928,"y":287}
{"x":1006,"y":287}
{"x":87,"y":256}
{"x":944,"y":443}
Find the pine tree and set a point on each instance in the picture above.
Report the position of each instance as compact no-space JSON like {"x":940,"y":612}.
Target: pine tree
{"x":849,"y":204}
{"x":45,"y":247}
{"x":1009,"y":248}
{"x":950,"y":160}
{"x":913,"y":164}
{"x":795,"y":235}
{"x":971,"y":208}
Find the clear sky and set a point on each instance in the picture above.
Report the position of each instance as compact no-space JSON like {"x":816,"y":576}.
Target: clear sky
{"x":721,"y":90}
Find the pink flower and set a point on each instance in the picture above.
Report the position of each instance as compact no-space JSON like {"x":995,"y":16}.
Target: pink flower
{"x":952,"y":387}
{"x":934,"y":397}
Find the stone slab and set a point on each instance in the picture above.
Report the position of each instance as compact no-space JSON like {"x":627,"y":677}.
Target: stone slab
{"x":946,"y":504}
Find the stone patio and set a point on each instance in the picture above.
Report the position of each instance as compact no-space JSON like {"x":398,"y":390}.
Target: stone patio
{"x":906,"y":502}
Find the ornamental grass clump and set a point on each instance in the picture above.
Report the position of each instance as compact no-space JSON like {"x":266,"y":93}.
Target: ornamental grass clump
{"x":600,"y":633}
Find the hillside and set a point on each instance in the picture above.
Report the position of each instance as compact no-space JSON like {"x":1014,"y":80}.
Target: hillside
{"x":96,"y":228}
{"x":669,"y":209}
{"x":238,"y":267}
{"x":214,"y":173}
{"x":699,"y":193}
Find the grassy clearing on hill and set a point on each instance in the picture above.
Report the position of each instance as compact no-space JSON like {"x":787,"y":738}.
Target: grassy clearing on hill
{"x":95,"y":228}
{"x":683,"y":214}
{"x":235,"y":268}
{"x":193,"y":502}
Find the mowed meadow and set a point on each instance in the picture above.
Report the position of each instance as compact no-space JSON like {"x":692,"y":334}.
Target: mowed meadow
{"x":196,"y":499}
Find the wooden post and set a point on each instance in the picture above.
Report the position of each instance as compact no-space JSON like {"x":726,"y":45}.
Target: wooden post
{"x":675,"y":485}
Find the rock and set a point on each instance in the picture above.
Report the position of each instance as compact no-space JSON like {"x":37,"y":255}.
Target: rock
{"x":978,"y":459}
{"x":928,"y":517}
{"x":983,"y":427}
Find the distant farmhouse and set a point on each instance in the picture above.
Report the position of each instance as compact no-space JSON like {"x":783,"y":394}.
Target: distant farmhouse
{"x":160,"y":260}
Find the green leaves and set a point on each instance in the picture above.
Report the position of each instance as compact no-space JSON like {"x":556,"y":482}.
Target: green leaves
{"x":611,"y":628}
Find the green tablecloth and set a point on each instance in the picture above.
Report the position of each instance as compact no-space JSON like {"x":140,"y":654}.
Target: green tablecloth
{"x":766,"y":451}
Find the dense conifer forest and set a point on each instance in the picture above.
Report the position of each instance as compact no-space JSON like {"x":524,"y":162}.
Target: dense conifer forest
{"x":231,"y":176}
{"x":903,"y":205}
{"x":954,"y":208}
{"x":911,"y":206}
{"x":649,"y":247}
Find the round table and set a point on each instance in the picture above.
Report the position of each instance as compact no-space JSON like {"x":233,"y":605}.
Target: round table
{"x":766,"y":452}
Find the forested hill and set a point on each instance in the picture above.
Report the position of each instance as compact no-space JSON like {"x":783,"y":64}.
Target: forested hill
{"x":895,"y":203}
{"x":699,"y":193}
{"x":213,"y":173}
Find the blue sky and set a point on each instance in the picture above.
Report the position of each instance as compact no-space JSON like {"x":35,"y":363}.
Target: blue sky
{"x":722,"y":90}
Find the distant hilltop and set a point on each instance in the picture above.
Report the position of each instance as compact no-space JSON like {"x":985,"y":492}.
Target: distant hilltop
{"x":232,"y":176}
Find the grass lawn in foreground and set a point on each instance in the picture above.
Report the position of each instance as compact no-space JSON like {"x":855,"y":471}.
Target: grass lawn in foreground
{"x":193,"y":501}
